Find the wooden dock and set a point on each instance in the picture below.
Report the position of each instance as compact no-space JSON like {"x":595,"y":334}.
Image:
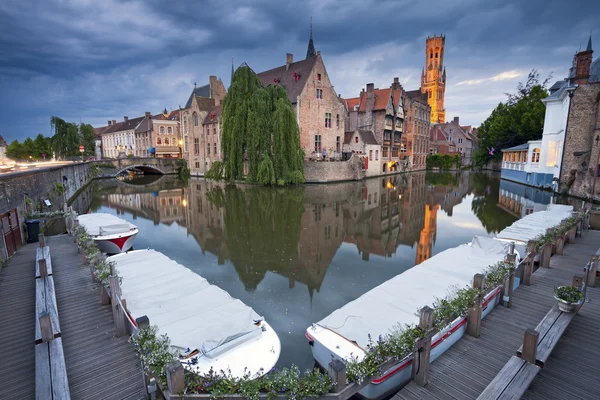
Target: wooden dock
{"x":465,"y":370}
{"x":99,"y":365}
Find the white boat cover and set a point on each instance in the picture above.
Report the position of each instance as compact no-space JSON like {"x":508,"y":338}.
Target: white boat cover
{"x":102,"y":224}
{"x":535,"y":224}
{"x":397,"y":301}
{"x":184,"y":306}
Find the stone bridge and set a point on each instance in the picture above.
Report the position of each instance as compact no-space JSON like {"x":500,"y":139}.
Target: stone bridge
{"x":115,"y":167}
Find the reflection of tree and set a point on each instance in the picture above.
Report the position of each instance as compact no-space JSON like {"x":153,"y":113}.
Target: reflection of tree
{"x":484,"y":205}
{"x":262,"y":228}
{"x":442,"y":178}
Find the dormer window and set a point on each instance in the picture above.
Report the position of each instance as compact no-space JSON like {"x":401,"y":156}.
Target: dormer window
{"x":296,"y":77}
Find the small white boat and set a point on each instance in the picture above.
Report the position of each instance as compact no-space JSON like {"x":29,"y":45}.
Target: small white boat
{"x":113,"y":235}
{"x":208,"y":327}
{"x":345,"y":333}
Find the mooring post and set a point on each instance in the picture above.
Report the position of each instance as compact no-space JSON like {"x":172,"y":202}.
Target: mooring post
{"x":337,"y":372}
{"x":420,"y":365}
{"x":43,"y":268}
{"x":42,"y":240}
{"x":142,"y":322}
{"x":528,"y":271}
{"x":46,"y":327}
{"x":175,"y":378}
{"x":116,"y":306}
{"x":509,"y":282}
{"x":560,"y":244}
{"x":530,"y":341}
{"x":474,"y":313}
{"x":591,"y":278}
{"x":151,"y":388}
{"x":546,"y":254}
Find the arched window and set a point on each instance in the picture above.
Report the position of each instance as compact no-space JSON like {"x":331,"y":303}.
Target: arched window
{"x":162,"y":129}
{"x":535,"y":155}
{"x":436,"y":54}
{"x":195,"y":119}
{"x":169,"y":130}
{"x":167,"y":141}
{"x":158,"y":141}
{"x":431,"y":55}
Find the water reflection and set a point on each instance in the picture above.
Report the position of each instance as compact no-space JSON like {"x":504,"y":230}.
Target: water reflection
{"x":297,"y":254}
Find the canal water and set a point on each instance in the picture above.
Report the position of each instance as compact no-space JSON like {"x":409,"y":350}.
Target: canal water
{"x":297,"y":254}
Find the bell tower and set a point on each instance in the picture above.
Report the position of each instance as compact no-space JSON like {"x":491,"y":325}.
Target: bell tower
{"x":433,"y":77}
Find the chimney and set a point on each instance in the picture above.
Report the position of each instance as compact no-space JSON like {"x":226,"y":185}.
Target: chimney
{"x":125,"y":118}
{"x":456,"y":120}
{"x":114,"y":121}
{"x":148,"y":114}
{"x":370,"y":87}
{"x":289,"y":59}
{"x":318,"y":52}
{"x":396,"y":84}
{"x":583,"y":60}
{"x":109,"y":122}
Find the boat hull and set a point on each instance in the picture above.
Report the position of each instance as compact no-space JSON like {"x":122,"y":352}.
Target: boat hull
{"x":117,"y":243}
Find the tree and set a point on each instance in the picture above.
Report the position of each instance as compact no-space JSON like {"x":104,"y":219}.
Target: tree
{"x":259,"y":125}
{"x":518,"y":120}
{"x":66,"y":140}
{"x":42,"y":145}
{"x":15,"y":150}
{"x":88,"y":139}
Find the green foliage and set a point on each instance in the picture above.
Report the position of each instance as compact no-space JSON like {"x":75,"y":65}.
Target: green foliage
{"x":66,"y":140}
{"x":518,"y":120}
{"x":259,"y":124}
{"x":30,"y":149}
{"x":88,"y":139}
{"x":59,"y":188}
{"x":154,"y":352}
{"x":486,"y":190}
{"x":215,"y":171}
{"x":183,"y":171}
{"x":569,"y":294}
{"x":443,"y":161}
{"x":559,"y":230}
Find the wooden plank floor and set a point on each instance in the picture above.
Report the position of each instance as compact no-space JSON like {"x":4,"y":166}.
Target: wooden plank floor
{"x":17,"y":313}
{"x":469,"y":366}
{"x":99,"y":365}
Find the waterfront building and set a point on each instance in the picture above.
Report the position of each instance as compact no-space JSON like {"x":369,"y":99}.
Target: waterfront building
{"x":381,"y":111}
{"x":198,"y":106}
{"x":416,"y":136}
{"x":464,"y":141}
{"x":362,"y":143}
{"x":166,"y":135}
{"x":211,"y":128}
{"x":433,"y":77}
{"x":520,"y":200}
{"x":118,"y":138}
{"x":439,"y":143}
{"x":579,"y":169}
{"x":319,"y":110}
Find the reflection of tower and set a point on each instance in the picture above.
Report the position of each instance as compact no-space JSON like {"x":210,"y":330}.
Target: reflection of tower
{"x":428,"y":233}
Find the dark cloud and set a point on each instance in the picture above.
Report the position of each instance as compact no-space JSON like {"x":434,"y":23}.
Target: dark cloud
{"x":100,"y":60}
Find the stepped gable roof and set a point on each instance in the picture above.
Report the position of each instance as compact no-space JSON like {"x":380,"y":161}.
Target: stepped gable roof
{"x":366,"y":136}
{"x":286,"y":79}
{"x":202,"y":91}
{"x":213,"y":115}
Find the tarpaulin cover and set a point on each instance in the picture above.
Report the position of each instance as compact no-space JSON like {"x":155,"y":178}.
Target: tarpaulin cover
{"x":531,"y":226}
{"x":104,"y":224}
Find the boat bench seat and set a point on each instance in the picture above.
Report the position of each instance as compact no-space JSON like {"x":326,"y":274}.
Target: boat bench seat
{"x":514,"y":378}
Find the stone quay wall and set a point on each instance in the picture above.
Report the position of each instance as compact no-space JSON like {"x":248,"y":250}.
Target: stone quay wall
{"x":333,"y":171}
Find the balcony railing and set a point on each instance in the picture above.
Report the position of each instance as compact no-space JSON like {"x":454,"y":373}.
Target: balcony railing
{"x":517,"y":166}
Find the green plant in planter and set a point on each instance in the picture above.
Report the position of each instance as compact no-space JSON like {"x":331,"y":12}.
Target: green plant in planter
{"x":568,"y":294}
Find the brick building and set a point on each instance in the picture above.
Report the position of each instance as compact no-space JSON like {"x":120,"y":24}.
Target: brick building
{"x":415,"y":142}
{"x":197,"y":108}
{"x":439,"y":142}
{"x":211,"y":126}
{"x":433,"y":77}
{"x":579,"y":167}
{"x":166,"y":135}
{"x":463,"y":140}
{"x":380,"y":111}
{"x":319,"y":111}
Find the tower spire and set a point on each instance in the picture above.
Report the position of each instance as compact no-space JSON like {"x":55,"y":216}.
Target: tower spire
{"x":310,"y":52}
{"x":589,"y":45}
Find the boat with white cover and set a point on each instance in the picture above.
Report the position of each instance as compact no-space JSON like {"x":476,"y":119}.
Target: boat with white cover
{"x":533,"y":225}
{"x":345,"y":332}
{"x":112,"y":234}
{"x":208,"y":327}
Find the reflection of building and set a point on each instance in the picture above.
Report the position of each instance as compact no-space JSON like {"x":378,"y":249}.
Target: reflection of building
{"x":164,"y":206}
{"x":427,"y":237}
{"x":521,"y":200}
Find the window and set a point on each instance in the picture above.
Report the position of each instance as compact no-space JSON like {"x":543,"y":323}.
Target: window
{"x":370,"y":155}
{"x":317,"y":143}
{"x":197,"y":164}
{"x":319,"y":93}
{"x":436,"y":55}
{"x":167,"y":141}
{"x":387,"y":136}
{"x":394,"y":151}
{"x":337,"y":144}
{"x":215,"y":149}
{"x":208,"y":149}
{"x":318,"y":77}
{"x":459,"y":140}
{"x":384,"y":153}
{"x":196,"y":146}
{"x":431,"y":55}
{"x":337,"y":120}
{"x":327,"y":232}
{"x":162,"y":129}
{"x":317,"y":212}
{"x":158,"y":141}
{"x":169,"y":130}
{"x":195,"y":119}
{"x":376,"y":155}
{"x":429,"y":94}
{"x":327,"y":120}
{"x":356,"y":139}
{"x":535,"y":155}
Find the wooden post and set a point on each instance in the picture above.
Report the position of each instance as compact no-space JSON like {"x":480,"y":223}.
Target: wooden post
{"x":104,"y":297}
{"x":579,"y":228}
{"x":126,"y":317}
{"x":420,"y":368}
{"x":530,"y":341}
{"x":116,"y":306}
{"x":43,"y":268}
{"x":151,"y":388}
{"x":546,"y":254}
{"x":560,"y":244}
{"x":577,"y":281}
{"x":337,"y":372}
{"x":46,"y":327}
{"x":586,"y":221}
{"x":474,"y":314}
{"x":528,"y":270}
{"x":42,"y":240}
{"x":142,"y":322}
{"x":175,"y":378}
{"x":509,"y":282}
{"x":591,"y":278}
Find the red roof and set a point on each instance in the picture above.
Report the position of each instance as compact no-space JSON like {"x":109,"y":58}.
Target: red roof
{"x":352,"y":103}
{"x":382,"y":97}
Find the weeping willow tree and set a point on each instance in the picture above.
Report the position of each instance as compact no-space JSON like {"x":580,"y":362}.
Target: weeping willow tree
{"x":66,"y":140}
{"x":259,"y":125}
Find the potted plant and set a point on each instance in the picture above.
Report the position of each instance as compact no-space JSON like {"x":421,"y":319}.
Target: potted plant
{"x":568,"y":297}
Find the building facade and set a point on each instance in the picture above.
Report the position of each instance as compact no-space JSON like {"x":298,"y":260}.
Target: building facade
{"x":415,"y":141}
{"x":118,"y":139}
{"x":439,"y":142}
{"x":433,"y":77}
{"x":166,"y":135}
{"x":363,"y":144}
{"x":464,"y":142}
{"x":211,"y":127}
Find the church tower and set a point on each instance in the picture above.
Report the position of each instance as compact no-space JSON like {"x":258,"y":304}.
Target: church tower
{"x":310,"y":51}
{"x":433,"y":77}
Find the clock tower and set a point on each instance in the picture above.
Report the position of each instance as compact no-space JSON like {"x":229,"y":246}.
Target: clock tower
{"x":433,"y":77}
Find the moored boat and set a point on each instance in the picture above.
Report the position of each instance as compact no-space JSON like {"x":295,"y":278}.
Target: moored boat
{"x":209,"y":328}
{"x":346,"y":332}
{"x":112,"y":234}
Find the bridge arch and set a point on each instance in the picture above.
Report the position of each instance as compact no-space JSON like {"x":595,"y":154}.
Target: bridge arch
{"x":144,"y":168}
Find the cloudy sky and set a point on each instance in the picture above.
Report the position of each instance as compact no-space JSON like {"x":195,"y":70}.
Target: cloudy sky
{"x":101,"y":60}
